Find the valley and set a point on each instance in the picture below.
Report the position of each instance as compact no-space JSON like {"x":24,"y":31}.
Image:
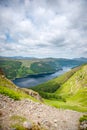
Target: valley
{"x":43,"y":65}
{"x":64,"y":94}
{"x":31,"y":111}
{"x":19,"y":67}
{"x":36,"y":79}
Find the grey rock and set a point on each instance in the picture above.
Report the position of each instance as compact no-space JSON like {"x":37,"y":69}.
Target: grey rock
{"x":13,"y":129}
{"x":27,"y":125}
{"x":85,"y":126}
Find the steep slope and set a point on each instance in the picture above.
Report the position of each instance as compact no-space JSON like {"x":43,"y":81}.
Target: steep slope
{"x":76,"y":82}
{"x":68,"y":91}
{"x":75,"y":88}
{"x":9,"y":89}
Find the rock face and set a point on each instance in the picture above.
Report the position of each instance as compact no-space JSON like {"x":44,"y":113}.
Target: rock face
{"x":42,"y":115}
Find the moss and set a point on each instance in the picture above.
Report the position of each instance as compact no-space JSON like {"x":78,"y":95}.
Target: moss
{"x":37,"y":127}
{"x":18,"y":127}
{"x":83,"y":118}
{"x":19,"y":118}
{"x":17,"y":123}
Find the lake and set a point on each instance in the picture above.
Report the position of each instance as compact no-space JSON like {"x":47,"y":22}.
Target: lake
{"x":33,"y":80}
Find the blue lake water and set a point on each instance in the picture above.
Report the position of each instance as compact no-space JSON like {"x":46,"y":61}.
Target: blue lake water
{"x":34,"y":80}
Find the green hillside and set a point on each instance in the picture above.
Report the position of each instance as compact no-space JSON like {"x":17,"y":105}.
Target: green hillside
{"x":68,"y":91}
{"x":17,"y":68}
{"x":22,"y":67}
{"x":74,"y":83}
{"x":9,"y":89}
{"x":14,"y":68}
{"x":44,"y":67}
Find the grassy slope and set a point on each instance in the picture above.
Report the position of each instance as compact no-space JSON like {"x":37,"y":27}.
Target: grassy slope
{"x":9,"y":89}
{"x":72,"y":90}
{"x":75,"y":88}
{"x":75,"y":82}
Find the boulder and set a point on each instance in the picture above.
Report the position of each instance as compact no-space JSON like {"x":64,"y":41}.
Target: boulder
{"x":27,"y":125}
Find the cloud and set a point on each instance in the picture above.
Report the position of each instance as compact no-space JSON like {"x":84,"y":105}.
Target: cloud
{"x":44,"y":28}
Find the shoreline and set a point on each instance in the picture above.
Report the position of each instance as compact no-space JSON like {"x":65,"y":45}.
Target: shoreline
{"x":37,"y":75}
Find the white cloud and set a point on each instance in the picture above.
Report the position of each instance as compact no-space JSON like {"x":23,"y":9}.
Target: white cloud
{"x":43,"y":28}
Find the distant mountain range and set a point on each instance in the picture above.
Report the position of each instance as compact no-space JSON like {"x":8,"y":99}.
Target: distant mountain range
{"x":23,"y":57}
{"x":81,"y":59}
{"x":18,"y":57}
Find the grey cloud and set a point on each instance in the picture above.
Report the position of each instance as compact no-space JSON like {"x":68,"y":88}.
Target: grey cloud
{"x":42,"y":45}
{"x":55,"y":27}
{"x":85,"y":53}
{"x":58,"y":42}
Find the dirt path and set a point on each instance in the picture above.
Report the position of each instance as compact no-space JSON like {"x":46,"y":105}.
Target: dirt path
{"x":51,"y":118}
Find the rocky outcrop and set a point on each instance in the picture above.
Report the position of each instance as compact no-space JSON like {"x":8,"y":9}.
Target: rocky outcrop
{"x":33,"y":94}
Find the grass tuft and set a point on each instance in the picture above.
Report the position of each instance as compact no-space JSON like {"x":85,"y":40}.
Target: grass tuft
{"x":83,"y":118}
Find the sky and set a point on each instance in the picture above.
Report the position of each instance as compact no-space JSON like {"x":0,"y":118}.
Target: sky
{"x":43,"y":28}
